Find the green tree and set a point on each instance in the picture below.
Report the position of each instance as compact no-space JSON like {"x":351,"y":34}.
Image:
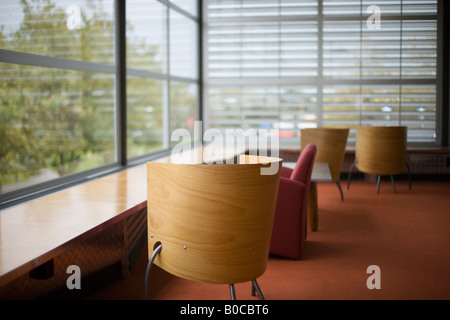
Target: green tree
{"x":57,"y":119}
{"x":51,"y":118}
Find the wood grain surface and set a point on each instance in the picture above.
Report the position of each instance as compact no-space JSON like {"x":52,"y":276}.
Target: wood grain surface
{"x":214,"y":221}
{"x":381,"y":150}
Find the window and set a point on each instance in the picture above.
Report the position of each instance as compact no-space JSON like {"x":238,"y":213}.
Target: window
{"x":147,"y":76}
{"x":162,"y":63}
{"x":296,"y":64}
{"x":57,"y":90}
{"x":59,"y":99}
{"x":183,"y":51}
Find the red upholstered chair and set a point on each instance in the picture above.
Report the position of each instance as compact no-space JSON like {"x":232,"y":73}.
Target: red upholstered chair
{"x":289,"y":227}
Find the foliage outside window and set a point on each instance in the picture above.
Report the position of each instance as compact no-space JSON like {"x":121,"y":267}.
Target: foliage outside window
{"x":58,"y":85}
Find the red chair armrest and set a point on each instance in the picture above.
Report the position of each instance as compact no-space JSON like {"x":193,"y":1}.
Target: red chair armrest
{"x":286,"y":172}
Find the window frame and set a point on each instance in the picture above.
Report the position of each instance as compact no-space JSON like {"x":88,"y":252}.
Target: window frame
{"x":120,"y":71}
{"x":321,"y":81}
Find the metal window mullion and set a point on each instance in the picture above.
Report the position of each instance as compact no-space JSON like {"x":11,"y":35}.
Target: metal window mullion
{"x":166,"y":115}
{"x":360,"y":65}
{"x":199,"y":105}
{"x":401,"y":67}
{"x":121,"y":82}
{"x":204,"y":80}
{"x":166,"y":90}
{"x":279,"y":65}
{"x":319,"y":106}
{"x":442,"y":69}
{"x":146,"y":74}
{"x":240,"y":76}
{"x":36,"y":60}
{"x":170,"y":5}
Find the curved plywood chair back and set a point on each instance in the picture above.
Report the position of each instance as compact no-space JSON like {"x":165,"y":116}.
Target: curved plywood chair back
{"x":330,"y":143}
{"x":214,"y":221}
{"x":381,"y":150}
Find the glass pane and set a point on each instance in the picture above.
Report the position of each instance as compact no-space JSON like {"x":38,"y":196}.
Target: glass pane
{"x":223,"y":8}
{"x":255,"y":50}
{"x":347,"y":69}
{"x":419,"y":49}
{"x":146,"y":35}
{"x":286,"y":108}
{"x":341,"y":49}
{"x":381,"y":51}
{"x":144,"y":116}
{"x":362,"y":69}
{"x":224,"y":105}
{"x":259,"y":47}
{"x":224,"y":52}
{"x":386,"y":7}
{"x":260,"y":8}
{"x":380,"y":105}
{"x":72,"y":29}
{"x":340,"y":8}
{"x":298,"y":110}
{"x":298,"y":53}
{"x":183,"y":46}
{"x":418,"y":112}
{"x":189,"y":6}
{"x":301,"y":8}
{"x":53,"y":123}
{"x":183,"y":104}
{"x":341,"y":106}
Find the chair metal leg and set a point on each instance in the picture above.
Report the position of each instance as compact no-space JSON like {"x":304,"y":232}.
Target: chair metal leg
{"x":149,"y":265}
{"x":350,"y":174}
{"x":258,"y":290}
{"x":409,"y":175}
{"x":232,"y":292}
{"x":393,"y":184}
{"x":340,"y":190}
{"x":378,"y":183}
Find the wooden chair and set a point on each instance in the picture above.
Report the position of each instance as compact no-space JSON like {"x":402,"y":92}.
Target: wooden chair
{"x":212,"y":223}
{"x":381,"y":151}
{"x":331,"y":144}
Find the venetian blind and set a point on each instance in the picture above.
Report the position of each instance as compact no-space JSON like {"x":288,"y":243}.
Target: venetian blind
{"x":295,"y":64}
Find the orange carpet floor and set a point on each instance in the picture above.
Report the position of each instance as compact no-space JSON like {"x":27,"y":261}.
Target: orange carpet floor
{"x":407,"y":235}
